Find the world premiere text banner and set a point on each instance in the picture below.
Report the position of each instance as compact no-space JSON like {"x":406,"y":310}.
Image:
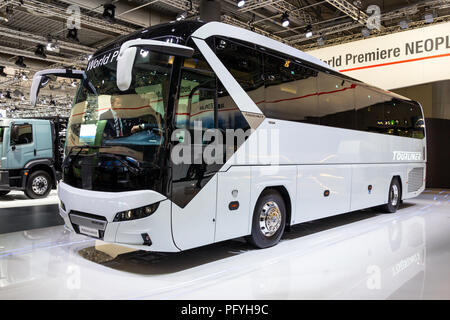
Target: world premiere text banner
{"x":394,"y":61}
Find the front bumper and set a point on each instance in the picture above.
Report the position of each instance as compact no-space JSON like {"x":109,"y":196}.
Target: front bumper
{"x":104,"y":206}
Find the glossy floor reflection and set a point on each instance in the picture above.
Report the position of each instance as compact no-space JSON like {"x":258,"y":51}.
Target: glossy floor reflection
{"x":361,"y":255}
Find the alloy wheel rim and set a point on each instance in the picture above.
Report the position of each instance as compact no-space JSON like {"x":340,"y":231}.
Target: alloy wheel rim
{"x":394,"y":195}
{"x":270,"y":218}
{"x":39,"y":185}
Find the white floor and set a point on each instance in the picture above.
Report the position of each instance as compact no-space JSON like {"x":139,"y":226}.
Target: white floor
{"x":361,"y":255}
{"x":19,"y":199}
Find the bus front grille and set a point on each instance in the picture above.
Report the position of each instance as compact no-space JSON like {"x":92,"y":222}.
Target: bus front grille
{"x":415,"y":179}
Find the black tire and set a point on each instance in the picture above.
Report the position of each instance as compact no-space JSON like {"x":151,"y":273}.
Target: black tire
{"x":270,"y":201}
{"x":394,"y":197}
{"x":39,"y":185}
{"x":3,"y":193}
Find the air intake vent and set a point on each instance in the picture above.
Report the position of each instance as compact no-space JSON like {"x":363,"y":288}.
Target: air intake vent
{"x":415,"y":179}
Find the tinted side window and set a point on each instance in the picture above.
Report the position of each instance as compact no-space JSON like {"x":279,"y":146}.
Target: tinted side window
{"x":196,"y":101}
{"x":22,"y":134}
{"x":246,"y":66}
{"x":197,"y":61}
{"x":369,"y":110}
{"x":414,"y":122}
{"x":396,"y":119}
{"x":228,"y":114}
{"x":336,"y":102}
{"x":290,"y":91}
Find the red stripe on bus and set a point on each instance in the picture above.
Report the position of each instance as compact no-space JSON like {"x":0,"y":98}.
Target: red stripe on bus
{"x":353,"y":86}
{"x":186,"y":114}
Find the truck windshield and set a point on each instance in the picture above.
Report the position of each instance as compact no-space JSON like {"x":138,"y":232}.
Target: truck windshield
{"x":131,"y":120}
{"x":115,"y":139}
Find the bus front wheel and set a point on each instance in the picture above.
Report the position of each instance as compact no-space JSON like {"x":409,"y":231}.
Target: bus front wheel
{"x":269,"y":220}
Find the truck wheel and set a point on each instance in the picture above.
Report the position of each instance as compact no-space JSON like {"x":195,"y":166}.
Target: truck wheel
{"x":395,"y":195}
{"x":269,"y":220}
{"x":3,"y":192}
{"x":39,"y":185}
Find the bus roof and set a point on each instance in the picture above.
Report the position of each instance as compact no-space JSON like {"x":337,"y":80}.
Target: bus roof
{"x":178,"y":29}
{"x":182,"y":30}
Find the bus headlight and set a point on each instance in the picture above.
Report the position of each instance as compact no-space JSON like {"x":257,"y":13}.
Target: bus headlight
{"x":137,"y":213}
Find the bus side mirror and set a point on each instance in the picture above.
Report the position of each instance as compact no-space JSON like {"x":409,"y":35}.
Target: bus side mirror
{"x":127,"y":55}
{"x":125,"y":63}
{"x":39,"y":81}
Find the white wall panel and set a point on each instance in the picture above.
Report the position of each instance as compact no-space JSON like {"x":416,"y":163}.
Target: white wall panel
{"x":429,"y":62}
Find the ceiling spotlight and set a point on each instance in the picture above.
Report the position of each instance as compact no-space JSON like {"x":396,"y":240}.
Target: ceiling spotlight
{"x":308,"y":32}
{"x":320,"y":41}
{"x":72,"y":34}
{"x":365,"y":32}
{"x":18,"y":93}
{"x":240,"y":3}
{"x":109,"y":12}
{"x":357,"y":3}
{"x":181,"y":16}
{"x":285,"y":20}
{"x":52,"y":46}
{"x":2,"y":71}
{"x":403,"y":24}
{"x":40,"y":51}
{"x":19,"y":62}
{"x":3,"y":17}
{"x":428,"y":17}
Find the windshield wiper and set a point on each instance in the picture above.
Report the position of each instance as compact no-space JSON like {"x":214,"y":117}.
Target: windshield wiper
{"x":85,"y":146}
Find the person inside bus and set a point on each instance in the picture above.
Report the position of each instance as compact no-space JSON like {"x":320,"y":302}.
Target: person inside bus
{"x":151,"y":122}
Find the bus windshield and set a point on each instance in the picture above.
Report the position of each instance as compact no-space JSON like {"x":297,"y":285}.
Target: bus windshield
{"x":115,"y":139}
{"x":104,"y":116}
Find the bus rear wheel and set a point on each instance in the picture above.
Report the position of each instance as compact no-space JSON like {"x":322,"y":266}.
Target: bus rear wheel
{"x":39,"y":185}
{"x":269,"y":220}
{"x":394,"y":197}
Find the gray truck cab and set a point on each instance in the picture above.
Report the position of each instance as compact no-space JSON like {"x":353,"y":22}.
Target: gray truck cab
{"x":29,"y":156}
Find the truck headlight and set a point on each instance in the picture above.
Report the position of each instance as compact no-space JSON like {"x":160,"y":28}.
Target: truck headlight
{"x":137,"y":213}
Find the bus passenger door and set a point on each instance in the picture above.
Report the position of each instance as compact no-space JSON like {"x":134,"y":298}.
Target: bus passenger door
{"x":194,"y":181}
{"x":193,"y":224}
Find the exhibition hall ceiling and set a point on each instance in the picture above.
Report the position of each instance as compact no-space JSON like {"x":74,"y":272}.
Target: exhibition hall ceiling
{"x":34,"y":34}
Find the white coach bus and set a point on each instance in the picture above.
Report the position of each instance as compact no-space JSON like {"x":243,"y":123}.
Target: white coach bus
{"x":332,"y":143}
